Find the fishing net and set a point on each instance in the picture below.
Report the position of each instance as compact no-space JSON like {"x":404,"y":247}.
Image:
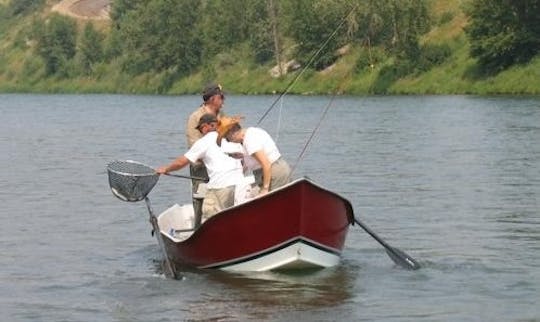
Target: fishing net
{"x":130,"y":180}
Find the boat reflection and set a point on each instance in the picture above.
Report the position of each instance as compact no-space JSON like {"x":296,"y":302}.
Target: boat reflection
{"x":309,"y":288}
{"x":233,"y":296}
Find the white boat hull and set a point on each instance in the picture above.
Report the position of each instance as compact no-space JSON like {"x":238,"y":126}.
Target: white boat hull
{"x":295,"y":254}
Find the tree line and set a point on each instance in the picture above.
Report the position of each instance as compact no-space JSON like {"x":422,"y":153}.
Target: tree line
{"x":176,"y":38}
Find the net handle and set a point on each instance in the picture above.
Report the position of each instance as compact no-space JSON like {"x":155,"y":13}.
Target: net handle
{"x":186,"y":177}
{"x":170,"y":174}
{"x":126,"y":192}
{"x":167,"y":174}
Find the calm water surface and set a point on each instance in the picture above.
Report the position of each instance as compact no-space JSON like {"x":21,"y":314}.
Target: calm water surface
{"x":453,"y":181}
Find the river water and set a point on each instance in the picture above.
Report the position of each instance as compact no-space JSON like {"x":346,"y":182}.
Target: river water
{"x":452,"y":180}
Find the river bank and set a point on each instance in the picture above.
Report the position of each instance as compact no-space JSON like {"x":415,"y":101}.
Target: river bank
{"x":360,"y":71}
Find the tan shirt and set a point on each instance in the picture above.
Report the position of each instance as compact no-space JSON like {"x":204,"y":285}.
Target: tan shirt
{"x":192,"y":134}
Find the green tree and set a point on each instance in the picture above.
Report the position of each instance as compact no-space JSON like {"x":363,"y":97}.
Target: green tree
{"x":224,"y":24}
{"x":503,"y":32}
{"x":396,"y":25}
{"x":260,"y":42}
{"x":90,"y":48}
{"x":24,"y":6}
{"x":120,"y":8}
{"x":56,"y":43}
{"x":310,"y":23}
{"x":160,"y":35}
{"x":113,"y":45}
{"x":274,"y":9}
{"x":263,"y":30}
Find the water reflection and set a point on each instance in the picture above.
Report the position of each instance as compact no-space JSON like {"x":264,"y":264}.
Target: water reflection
{"x":305,"y":288}
{"x":260,"y":295}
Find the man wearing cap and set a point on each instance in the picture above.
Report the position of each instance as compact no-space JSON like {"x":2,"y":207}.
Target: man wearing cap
{"x":213,"y":97}
{"x":224,"y":172}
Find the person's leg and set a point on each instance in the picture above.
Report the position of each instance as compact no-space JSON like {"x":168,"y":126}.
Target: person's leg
{"x":258,"y":177}
{"x":217,"y":200}
{"x":197,"y":170}
{"x":281,"y":173}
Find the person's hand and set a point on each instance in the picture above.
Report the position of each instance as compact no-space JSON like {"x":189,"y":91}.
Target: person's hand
{"x":161,"y":170}
{"x":236,"y":155}
{"x":263,"y":191}
{"x":237,"y":118}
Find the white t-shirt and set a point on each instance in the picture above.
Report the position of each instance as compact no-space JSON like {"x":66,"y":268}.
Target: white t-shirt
{"x":231,"y":147}
{"x":257,"y":139}
{"x":223,"y":170}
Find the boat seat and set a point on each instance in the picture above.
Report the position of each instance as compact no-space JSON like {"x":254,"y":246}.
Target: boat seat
{"x":177,"y":221}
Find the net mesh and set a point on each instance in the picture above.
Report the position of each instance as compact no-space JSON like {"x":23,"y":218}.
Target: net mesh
{"x":130,"y":180}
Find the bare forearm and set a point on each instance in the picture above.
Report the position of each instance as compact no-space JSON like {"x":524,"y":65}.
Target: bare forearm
{"x":267,"y":176}
{"x":266,"y":167}
{"x":177,"y":164}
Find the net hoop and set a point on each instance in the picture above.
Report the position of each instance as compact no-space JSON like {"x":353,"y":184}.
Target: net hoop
{"x":130,"y":180}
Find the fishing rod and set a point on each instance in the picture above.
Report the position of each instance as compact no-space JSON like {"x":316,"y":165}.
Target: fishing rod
{"x":398,"y":256}
{"x":310,"y":61}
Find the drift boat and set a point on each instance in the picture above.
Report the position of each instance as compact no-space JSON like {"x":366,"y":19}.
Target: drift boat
{"x":300,"y":225}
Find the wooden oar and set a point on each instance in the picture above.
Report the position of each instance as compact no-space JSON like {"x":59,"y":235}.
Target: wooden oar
{"x":398,"y":256}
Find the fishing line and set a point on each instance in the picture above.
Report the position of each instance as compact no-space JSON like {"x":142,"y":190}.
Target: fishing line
{"x":278,"y":127}
{"x":313,"y":133}
{"x":310,"y":61}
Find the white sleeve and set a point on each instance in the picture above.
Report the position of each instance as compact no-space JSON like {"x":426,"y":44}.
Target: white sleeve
{"x":197,"y":151}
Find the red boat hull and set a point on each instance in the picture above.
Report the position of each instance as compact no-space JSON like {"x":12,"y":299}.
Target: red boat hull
{"x":299,"y":213}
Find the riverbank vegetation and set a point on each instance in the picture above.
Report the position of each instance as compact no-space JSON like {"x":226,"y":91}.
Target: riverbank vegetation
{"x":253,"y":47}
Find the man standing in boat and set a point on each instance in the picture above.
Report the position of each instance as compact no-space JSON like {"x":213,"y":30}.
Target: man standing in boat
{"x":224,"y":172}
{"x":271,"y":171}
{"x":213,"y":98}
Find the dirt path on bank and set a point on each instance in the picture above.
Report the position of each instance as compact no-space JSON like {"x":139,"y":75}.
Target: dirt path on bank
{"x":84,"y":9}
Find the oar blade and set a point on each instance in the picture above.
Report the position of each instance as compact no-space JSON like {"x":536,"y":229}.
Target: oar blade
{"x":402,"y":259}
{"x":398,"y":256}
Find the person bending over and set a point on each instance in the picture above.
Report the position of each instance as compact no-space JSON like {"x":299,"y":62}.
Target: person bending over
{"x":271,"y":171}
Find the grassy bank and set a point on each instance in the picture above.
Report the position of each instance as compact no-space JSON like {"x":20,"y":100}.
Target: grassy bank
{"x":361,"y":71}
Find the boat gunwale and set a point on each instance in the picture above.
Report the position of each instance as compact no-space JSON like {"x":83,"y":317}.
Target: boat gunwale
{"x":196,"y":232}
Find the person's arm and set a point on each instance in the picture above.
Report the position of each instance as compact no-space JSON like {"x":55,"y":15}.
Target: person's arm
{"x":266,"y":167}
{"x":177,"y":164}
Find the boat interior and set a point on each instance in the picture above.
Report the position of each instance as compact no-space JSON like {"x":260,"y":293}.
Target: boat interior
{"x":177,"y":222}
